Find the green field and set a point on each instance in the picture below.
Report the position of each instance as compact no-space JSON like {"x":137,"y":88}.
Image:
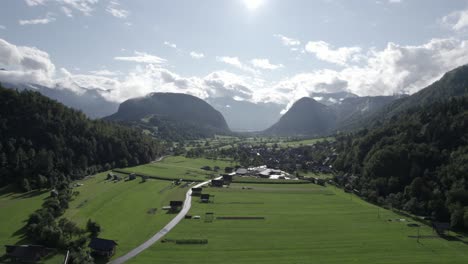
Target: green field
{"x":15,"y":209}
{"x":178,"y":167}
{"x":304,"y":223}
{"x":123,"y":208}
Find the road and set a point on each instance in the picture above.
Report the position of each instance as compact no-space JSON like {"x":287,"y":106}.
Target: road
{"x":164,"y":231}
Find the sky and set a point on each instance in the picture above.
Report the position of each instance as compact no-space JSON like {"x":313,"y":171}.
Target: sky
{"x":254,"y":50}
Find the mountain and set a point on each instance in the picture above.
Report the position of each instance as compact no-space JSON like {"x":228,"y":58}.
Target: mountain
{"x":172,"y":116}
{"x":305,"y":117}
{"x":454,"y":83}
{"x":353,"y":112}
{"x":43,"y":142}
{"x":89,"y":101}
{"x":245,"y":116}
{"x":332,"y":98}
{"x":416,"y":161}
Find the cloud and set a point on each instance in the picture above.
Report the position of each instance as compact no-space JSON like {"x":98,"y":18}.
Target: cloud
{"x":114,"y":9}
{"x":395,"y":1}
{"x":325,"y":52}
{"x":25,"y":64}
{"x":265,"y":64}
{"x":391,"y":70}
{"x":287,"y":41}
{"x":35,"y":2}
{"x":197,"y":55}
{"x":142,"y":57}
{"x":86,"y":7}
{"x":2,"y":27}
{"x":105,"y":73}
{"x":67,"y":11}
{"x":457,"y":20}
{"x":234,"y":61}
{"x":46,"y":20}
{"x":170,"y":45}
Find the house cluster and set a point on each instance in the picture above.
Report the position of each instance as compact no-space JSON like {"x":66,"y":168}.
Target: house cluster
{"x":263,"y":172}
{"x":317,"y":158}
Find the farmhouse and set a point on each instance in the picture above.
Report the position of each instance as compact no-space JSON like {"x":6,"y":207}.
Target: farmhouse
{"x":102,"y":247}
{"x":196,"y":191}
{"x":176,"y":205}
{"x":26,"y":253}
{"x":217,"y":183}
{"x":440,"y":227}
{"x":205,"y":198}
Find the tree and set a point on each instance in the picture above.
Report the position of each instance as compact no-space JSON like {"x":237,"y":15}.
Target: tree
{"x":93,"y":227}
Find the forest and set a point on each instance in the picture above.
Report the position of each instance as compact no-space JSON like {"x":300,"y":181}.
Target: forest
{"x":44,"y":143}
{"x":416,"y":161}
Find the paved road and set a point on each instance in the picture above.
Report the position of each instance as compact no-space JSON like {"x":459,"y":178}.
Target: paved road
{"x":164,"y":231}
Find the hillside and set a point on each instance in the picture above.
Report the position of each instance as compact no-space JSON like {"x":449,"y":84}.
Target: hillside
{"x":305,"y":117}
{"x":42,"y":142}
{"x":89,"y":101}
{"x":172,"y":116}
{"x":416,"y":161}
{"x":454,"y":83}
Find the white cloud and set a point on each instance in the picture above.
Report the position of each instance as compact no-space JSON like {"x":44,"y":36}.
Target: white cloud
{"x":395,"y":1}
{"x":391,"y":70}
{"x":265,"y":64}
{"x":142,"y":57}
{"x":46,"y":20}
{"x":105,"y":73}
{"x":86,"y":7}
{"x":170,"y":45}
{"x":325,"y":52}
{"x":288,"y":41}
{"x":114,"y":9}
{"x":234,"y":61}
{"x":457,"y":20}
{"x":2,"y":27}
{"x":26,"y":64}
{"x":35,"y":2}
{"x":67,"y":11}
{"x":197,"y":55}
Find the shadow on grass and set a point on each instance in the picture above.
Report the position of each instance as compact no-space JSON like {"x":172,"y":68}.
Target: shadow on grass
{"x":30,"y":194}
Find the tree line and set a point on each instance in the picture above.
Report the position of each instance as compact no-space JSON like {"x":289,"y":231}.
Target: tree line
{"x":417,"y":161}
{"x":43,"y":143}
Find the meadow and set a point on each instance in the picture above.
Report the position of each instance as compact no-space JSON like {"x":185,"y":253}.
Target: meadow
{"x":15,"y":209}
{"x":129,"y":212}
{"x":179,"y":167}
{"x":303,"y":223}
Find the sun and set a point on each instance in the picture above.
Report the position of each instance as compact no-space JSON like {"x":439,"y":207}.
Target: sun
{"x":253,"y":4}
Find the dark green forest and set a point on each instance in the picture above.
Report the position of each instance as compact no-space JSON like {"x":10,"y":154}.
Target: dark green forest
{"x":43,"y":143}
{"x":416,"y":161}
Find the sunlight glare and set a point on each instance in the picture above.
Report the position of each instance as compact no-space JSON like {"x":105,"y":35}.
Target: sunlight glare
{"x":253,"y":4}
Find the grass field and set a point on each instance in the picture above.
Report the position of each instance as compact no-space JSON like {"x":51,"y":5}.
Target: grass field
{"x":123,"y":209}
{"x":304,"y":223}
{"x":15,"y":209}
{"x":178,"y":167}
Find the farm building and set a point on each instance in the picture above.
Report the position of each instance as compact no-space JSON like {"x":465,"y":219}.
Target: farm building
{"x":196,"y":191}
{"x":176,"y":205}
{"x":26,"y":253}
{"x":241,"y":171}
{"x":217,"y":183}
{"x":205,"y":198}
{"x":102,"y":247}
{"x":440,"y":227}
{"x":227,"y":178}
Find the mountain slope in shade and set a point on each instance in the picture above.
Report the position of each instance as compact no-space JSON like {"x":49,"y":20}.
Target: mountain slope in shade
{"x":453,"y":84}
{"x":305,"y":117}
{"x":247,"y":116}
{"x":89,"y":101}
{"x":172,"y":116}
